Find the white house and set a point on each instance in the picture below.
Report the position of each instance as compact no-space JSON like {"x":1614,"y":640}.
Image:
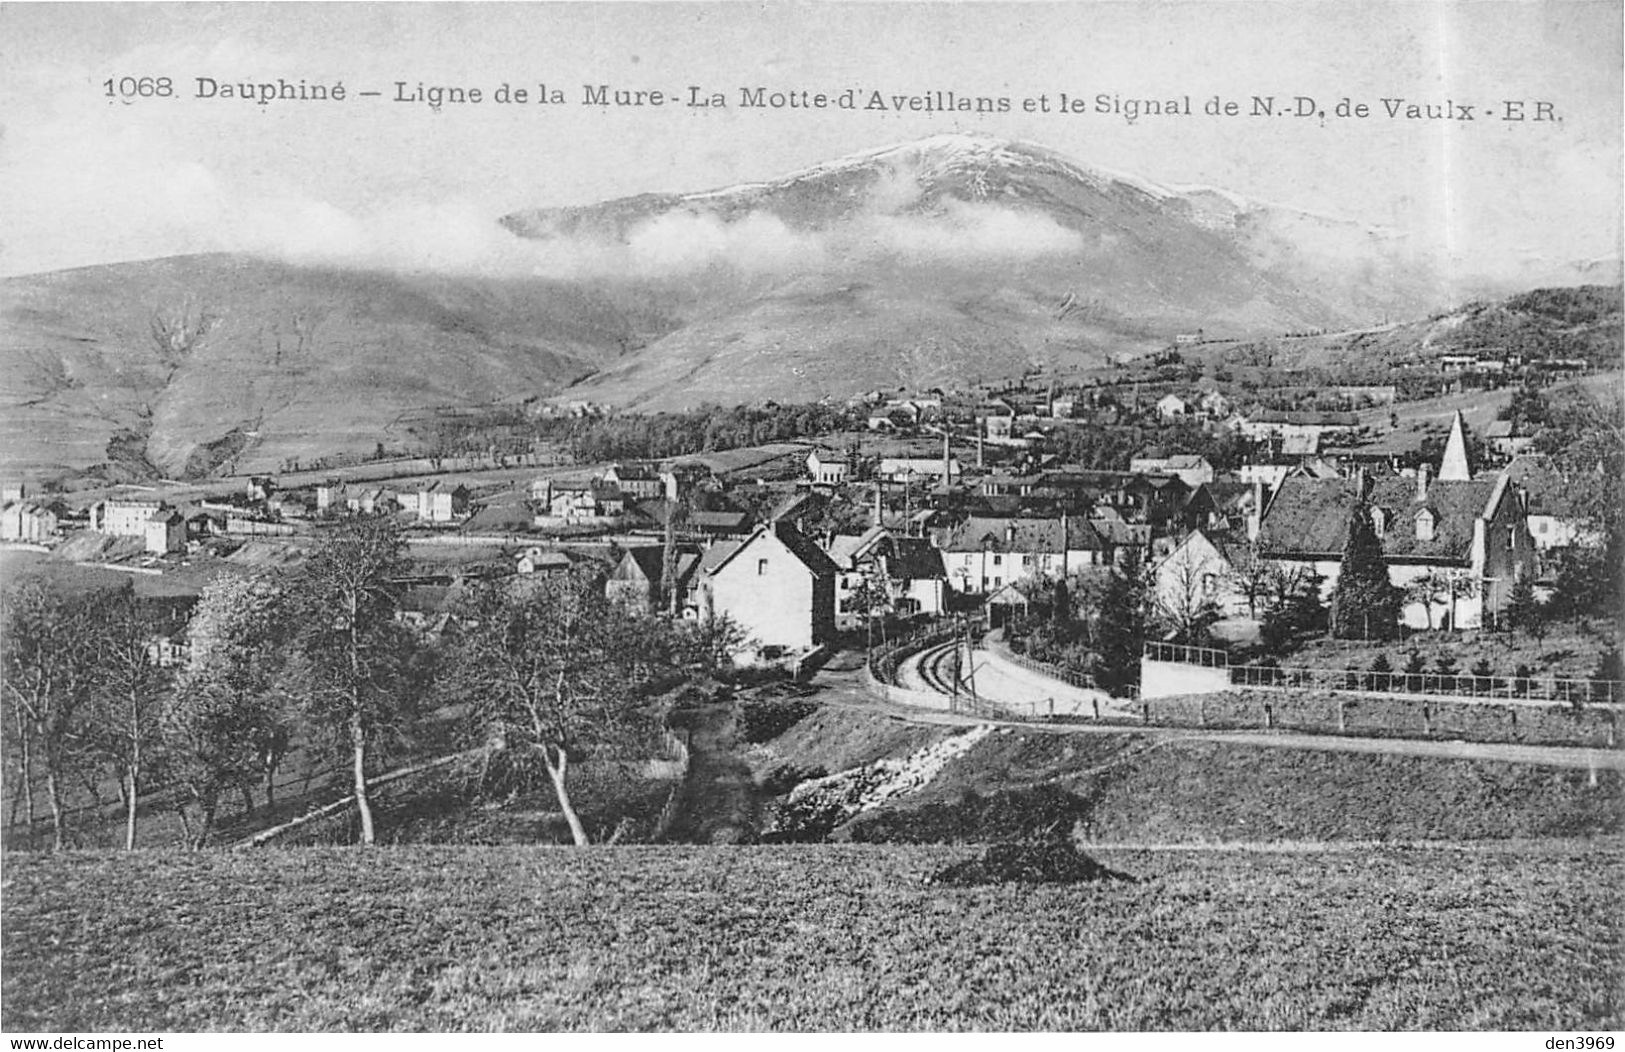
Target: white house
{"x":166,"y":532}
{"x":775,"y":584}
{"x":438,"y":502}
{"x":909,"y":570}
{"x":1198,"y":571}
{"x":920,"y":469}
{"x":828,"y":469}
{"x":986,"y":552}
{"x":124,"y":518}
{"x":1171,"y":407}
{"x":1190,"y":468}
{"x":25,"y":521}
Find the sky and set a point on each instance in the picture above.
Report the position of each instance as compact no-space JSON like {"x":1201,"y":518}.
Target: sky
{"x":89,"y":179}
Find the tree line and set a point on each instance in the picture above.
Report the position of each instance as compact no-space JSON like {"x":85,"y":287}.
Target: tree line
{"x":537,"y":673}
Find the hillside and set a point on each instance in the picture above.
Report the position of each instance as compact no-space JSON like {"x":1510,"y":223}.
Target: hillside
{"x":1584,"y":322}
{"x":299,"y":360}
{"x":941,"y":262}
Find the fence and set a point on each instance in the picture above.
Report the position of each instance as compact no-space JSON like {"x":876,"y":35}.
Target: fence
{"x":1206,"y":657}
{"x":1435,"y":684}
{"x":1432,"y":684}
{"x":677,"y":747}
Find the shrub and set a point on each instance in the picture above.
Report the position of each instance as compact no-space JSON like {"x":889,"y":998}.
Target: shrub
{"x":763,"y":719}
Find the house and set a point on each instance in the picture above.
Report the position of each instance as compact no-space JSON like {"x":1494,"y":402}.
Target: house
{"x":539,"y":560}
{"x":1556,"y":521}
{"x":724,"y":523}
{"x":166,"y":532}
{"x":775,"y":584}
{"x":438,"y":502}
{"x":986,"y":552}
{"x":580,"y":501}
{"x":1172,"y":407}
{"x":908,"y":570}
{"x":374,"y":500}
{"x":636,"y":582}
{"x":1282,"y":424}
{"x":329,"y":494}
{"x":1198,"y":571}
{"x":637,"y":481}
{"x":123,"y":518}
{"x":1213,"y":405}
{"x":921,"y":469}
{"x":1191,"y":468}
{"x":1268,"y":475}
{"x":23,"y":520}
{"x":828,"y":469}
{"x":1507,"y":440}
{"x":1471,"y":531}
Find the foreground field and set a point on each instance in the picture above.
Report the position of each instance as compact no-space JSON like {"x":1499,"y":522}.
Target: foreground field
{"x":814,"y":937}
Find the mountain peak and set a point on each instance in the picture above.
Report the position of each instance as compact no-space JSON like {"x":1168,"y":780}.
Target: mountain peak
{"x":949,"y":155}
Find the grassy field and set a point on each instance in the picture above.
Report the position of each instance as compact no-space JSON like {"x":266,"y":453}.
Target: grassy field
{"x":1157,"y":787}
{"x":838,"y":937}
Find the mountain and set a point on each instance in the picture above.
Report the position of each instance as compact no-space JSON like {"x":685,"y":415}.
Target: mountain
{"x":940,"y":262}
{"x":958,"y":257}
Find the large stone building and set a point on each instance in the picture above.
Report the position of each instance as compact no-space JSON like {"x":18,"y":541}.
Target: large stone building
{"x":1457,"y":528}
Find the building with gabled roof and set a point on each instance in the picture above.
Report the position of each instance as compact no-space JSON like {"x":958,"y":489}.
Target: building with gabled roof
{"x":775,"y":584}
{"x":1472,"y":529}
{"x":638,"y":580}
{"x":986,"y":552}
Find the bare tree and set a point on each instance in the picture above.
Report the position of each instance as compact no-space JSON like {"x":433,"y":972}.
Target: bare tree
{"x":354,"y":653}
{"x":130,"y":686}
{"x":1185,"y":600}
{"x":1252,"y":576}
{"x":559,"y":674}
{"x":49,"y":667}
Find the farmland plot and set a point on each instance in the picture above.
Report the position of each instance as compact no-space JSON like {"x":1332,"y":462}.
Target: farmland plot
{"x":812,"y":937}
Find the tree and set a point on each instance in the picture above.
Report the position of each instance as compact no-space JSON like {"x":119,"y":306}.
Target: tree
{"x":872,"y":599}
{"x":210,"y":730}
{"x":558,"y":674}
{"x":1365,"y":603}
{"x":354,"y":654}
{"x":1432,"y":588}
{"x":1251,"y":575}
{"x":1119,"y":629}
{"x":1524,"y":612}
{"x":49,"y":671}
{"x":1296,"y":611}
{"x":1184,"y":598}
{"x":233,"y":717}
{"x":127,"y":698}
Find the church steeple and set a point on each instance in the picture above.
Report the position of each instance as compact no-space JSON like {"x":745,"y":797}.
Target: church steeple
{"x":1453,"y":466}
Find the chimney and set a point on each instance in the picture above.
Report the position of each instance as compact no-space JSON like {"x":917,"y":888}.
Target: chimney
{"x":1255,"y":517}
{"x":947,"y":475}
{"x":1421,"y":483}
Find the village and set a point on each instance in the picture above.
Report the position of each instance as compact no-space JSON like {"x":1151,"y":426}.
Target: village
{"x":926,"y":507}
